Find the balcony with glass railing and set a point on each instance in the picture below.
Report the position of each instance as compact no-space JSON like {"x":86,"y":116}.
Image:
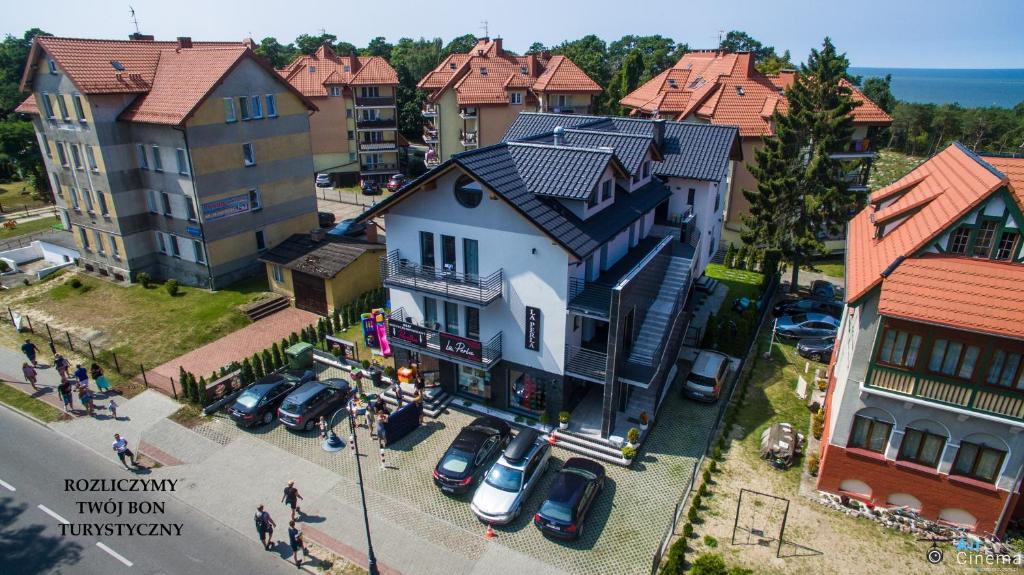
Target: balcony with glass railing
{"x":956,"y":394}
{"x":399,"y":272}
{"x":407,"y":333}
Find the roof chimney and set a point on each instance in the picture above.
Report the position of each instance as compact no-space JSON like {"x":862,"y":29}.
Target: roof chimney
{"x":559,"y":135}
{"x":497,"y":47}
{"x":531,"y":64}
{"x":184,"y":42}
{"x":658,"y":128}
{"x":355,"y":63}
{"x":745,"y":64}
{"x":138,"y":37}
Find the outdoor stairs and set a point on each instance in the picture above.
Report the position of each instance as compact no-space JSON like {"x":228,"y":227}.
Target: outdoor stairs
{"x":267,"y":307}
{"x":656,"y":322}
{"x":642,"y":400}
{"x":434,"y":402}
{"x":719,"y":257}
{"x":590,"y":446}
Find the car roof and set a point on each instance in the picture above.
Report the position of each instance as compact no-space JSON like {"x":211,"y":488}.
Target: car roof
{"x":585,"y":464}
{"x":708,"y":362}
{"x":567,"y":487}
{"x":306,"y":390}
{"x":336,"y":382}
{"x":491,"y":422}
{"x":521,"y":447}
{"x":469,"y":439}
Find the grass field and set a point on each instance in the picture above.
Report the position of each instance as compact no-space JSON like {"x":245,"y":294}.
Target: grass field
{"x":16,"y":196}
{"x":833,"y":268}
{"x":741,"y":283}
{"x":28,"y":227}
{"x":30,"y":405}
{"x":142,"y":325}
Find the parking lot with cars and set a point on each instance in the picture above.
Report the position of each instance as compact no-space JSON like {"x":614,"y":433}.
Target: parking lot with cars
{"x":622,"y":528}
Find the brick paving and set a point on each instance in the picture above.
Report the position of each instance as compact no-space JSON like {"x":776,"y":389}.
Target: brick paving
{"x":620,"y":536}
{"x":239,"y":344}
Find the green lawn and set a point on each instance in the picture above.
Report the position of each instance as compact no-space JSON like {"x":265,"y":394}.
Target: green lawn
{"x":17,"y":195}
{"x":831,"y":267}
{"x":741,"y":283}
{"x":28,"y":404}
{"x":890,"y":166}
{"x":28,"y":227}
{"x":142,"y":325}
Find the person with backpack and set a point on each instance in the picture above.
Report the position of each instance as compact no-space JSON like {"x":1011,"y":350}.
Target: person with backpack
{"x":264,"y":527}
{"x":62,"y":365}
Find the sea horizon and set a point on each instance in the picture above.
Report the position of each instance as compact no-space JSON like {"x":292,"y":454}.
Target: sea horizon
{"x":968,"y":87}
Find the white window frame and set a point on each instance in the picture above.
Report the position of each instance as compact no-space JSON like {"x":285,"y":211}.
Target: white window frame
{"x":76,"y":100}
{"x":48,"y":106}
{"x":114,"y":251}
{"x":229,"y":111}
{"x":255,"y":200}
{"x":143,"y":159}
{"x":99,"y":241}
{"x":197,"y":250}
{"x":243,"y":108}
{"x":271,"y":106}
{"x":102,"y":201}
{"x":257,"y":107}
{"x":515,"y":98}
{"x":90,"y":157}
{"x":62,"y":104}
{"x":336,"y":91}
{"x":278,"y":273}
{"x":183,"y":167}
{"x":248,"y":154}
{"x":158,"y":162}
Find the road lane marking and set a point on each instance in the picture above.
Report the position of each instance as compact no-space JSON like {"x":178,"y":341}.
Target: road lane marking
{"x":51,"y":513}
{"x":7,"y":486}
{"x":114,"y":554}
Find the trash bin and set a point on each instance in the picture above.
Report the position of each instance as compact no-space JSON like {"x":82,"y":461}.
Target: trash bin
{"x":300,"y":355}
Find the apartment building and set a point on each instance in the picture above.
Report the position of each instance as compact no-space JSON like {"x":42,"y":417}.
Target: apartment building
{"x":925,"y":403}
{"x":472,"y":98}
{"x":354,"y":132}
{"x":532,"y":275}
{"x":724,"y":88}
{"x":182,"y":160}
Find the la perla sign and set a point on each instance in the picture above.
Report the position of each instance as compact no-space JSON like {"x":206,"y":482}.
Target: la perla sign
{"x":532,"y":328}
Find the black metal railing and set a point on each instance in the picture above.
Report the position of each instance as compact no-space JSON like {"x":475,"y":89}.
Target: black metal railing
{"x":376,"y":101}
{"x":589,"y":298}
{"x":586,"y":363}
{"x":399,"y":272}
{"x":379,"y":167}
{"x":376,"y":123}
{"x":408,"y":333}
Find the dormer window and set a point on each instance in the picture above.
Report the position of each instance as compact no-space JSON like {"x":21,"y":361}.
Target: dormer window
{"x":483,"y":70}
{"x":1007,"y":246}
{"x":984,"y":240}
{"x":959,"y":240}
{"x":524,"y":70}
{"x":348,"y":68}
{"x":451,"y":65}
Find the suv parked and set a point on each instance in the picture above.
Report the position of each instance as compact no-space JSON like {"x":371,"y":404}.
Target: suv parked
{"x":304,"y":406}
{"x":707,"y":376}
{"x":508,"y":482}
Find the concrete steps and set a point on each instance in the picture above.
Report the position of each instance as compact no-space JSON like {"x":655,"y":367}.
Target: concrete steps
{"x":658,"y":317}
{"x":267,"y":307}
{"x":593,"y":447}
{"x":434,"y":402}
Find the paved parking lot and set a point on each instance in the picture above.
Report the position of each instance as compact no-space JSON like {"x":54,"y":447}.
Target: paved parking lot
{"x":620,"y":535}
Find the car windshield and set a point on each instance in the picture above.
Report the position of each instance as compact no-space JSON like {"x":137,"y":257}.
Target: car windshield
{"x":292,"y":405}
{"x":556,"y":511}
{"x":702,"y":379}
{"x":248,"y":399}
{"x":456,"y":461}
{"x":504,"y":478}
{"x":797,"y":318}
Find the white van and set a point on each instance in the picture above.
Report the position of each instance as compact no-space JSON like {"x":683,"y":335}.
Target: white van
{"x":707,"y":376}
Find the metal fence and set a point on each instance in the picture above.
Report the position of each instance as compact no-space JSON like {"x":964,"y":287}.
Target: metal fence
{"x":346,"y":196}
{"x":26,"y":239}
{"x":677,"y":513}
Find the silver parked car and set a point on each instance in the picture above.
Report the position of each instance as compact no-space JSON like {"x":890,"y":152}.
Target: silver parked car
{"x":508,"y":483}
{"x":801,"y":325}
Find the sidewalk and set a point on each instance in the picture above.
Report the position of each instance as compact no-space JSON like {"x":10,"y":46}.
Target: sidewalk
{"x":47,"y":380}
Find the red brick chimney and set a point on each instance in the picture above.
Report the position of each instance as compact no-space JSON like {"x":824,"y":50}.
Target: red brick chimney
{"x":355,"y":62}
{"x":497,"y":47}
{"x":745,"y":64}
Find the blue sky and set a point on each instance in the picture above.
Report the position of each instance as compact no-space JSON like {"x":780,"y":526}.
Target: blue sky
{"x":890,"y":33}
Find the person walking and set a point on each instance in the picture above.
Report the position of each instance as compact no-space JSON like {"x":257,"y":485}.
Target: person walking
{"x":382,"y":418}
{"x":30,"y":350}
{"x":264,"y":527}
{"x":371,"y":419}
{"x":64,"y":390}
{"x":297,"y":543}
{"x":396,"y":388}
{"x":62,"y":365}
{"x":418,"y":400}
{"x":82,"y":375}
{"x":97,"y":375}
{"x":112,"y":406}
{"x":120,"y":445}
{"x":85,"y":396}
{"x":291,"y":498}
{"x":30,"y":374}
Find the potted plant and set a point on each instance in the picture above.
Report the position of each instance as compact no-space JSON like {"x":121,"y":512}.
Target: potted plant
{"x":632,"y":436}
{"x":563,"y":420}
{"x":643,"y":421}
{"x":628,"y":452}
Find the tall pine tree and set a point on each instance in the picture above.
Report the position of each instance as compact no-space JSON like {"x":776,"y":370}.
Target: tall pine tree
{"x":801,"y":192}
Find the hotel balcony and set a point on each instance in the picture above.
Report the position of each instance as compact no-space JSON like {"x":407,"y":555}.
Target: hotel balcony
{"x":429,"y":136}
{"x":376,"y":124}
{"x":468,"y":139}
{"x":397,"y":272}
{"x":379,"y":168}
{"x":983,"y":400}
{"x":429,"y":110}
{"x":406,"y":333}
{"x":468,"y":113}
{"x":586,"y":364}
{"x":568,"y":109}
{"x":378,"y":102}
{"x":855,"y":150}
{"x":373,"y":147}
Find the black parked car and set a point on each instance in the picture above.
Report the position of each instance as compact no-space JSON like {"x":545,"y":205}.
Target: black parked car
{"x":259,"y":401}
{"x":823,"y":289}
{"x":816,"y":349}
{"x":808,"y":305}
{"x":370,"y":188}
{"x":469,"y":453}
{"x":571,"y":496}
{"x":304,"y":406}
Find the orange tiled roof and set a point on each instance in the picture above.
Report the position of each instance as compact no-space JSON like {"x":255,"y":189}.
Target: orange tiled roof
{"x":465,"y":74}
{"x":89,"y":63}
{"x":725,"y":88}
{"x":964,"y":293}
{"x":29,"y":106}
{"x":310,"y":75}
{"x":932,"y":196}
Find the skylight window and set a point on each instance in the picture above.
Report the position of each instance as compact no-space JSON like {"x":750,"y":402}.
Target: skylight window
{"x":117,"y":65}
{"x":697,"y":83}
{"x":451,"y":65}
{"x":312,"y":69}
{"x":739,"y":90}
{"x":672,"y":83}
{"x":483,"y":70}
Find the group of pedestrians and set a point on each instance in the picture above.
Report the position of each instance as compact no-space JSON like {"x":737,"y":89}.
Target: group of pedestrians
{"x":265,"y":525}
{"x":71,"y":382}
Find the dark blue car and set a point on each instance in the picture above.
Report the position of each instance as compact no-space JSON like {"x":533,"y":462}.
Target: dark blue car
{"x":571,"y":496}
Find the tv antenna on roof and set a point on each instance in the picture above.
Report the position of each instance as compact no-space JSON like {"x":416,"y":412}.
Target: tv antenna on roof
{"x":483,"y":24}
{"x":135,"y":21}
{"x":720,"y":34}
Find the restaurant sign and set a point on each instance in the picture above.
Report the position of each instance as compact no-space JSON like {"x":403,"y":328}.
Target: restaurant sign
{"x":462,"y":348}
{"x":407,"y":332}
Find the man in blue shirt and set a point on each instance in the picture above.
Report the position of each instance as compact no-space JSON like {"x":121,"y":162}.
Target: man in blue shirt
{"x":30,"y":350}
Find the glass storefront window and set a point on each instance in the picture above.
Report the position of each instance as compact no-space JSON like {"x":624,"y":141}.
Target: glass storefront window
{"x":474,"y":382}
{"x":527,"y":392}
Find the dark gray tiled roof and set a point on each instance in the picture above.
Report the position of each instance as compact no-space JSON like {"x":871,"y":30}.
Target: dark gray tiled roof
{"x":559,"y":172}
{"x":691,"y":150}
{"x":630,"y":149}
{"x":322,"y":259}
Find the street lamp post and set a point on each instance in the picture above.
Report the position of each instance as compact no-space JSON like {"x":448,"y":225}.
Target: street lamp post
{"x":371,"y":560}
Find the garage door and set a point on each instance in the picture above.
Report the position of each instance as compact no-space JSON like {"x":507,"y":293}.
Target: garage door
{"x":310,"y":293}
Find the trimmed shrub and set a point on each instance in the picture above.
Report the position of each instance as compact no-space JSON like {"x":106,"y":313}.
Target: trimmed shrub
{"x":687,"y":530}
{"x":248,"y":375}
{"x":730,"y":255}
{"x":201,"y":391}
{"x":713,"y":466}
{"x":321,"y":329}
{"x":336,"y":321}
{"x":292,"y":339}
{"x":676,"y":562}
{"x":268,"y":361}
{"x":813,"y":461}
{"x":632,"y":435}
{"x":710,"y":541}
{"x":703,"y":490}
{"x":706,"y":476}
{"x":276,"y":357}
{"x":257,"y":366}
{"x":74,"y":282}
{"x":628,"y":452}
{"x":691,"y":515}
{"x":697,"y":500}
{"x":144,"y":279}
{"x":818,"y":423}
{"x":172,"y":287}
{"x":716,"y":453}
{"x":741,"y":258}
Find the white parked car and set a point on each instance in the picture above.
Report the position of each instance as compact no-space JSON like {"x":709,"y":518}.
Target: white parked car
{"x":508,"y":483}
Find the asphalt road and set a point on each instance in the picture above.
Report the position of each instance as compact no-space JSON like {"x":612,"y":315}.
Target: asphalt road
{"x":34,"y":464}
